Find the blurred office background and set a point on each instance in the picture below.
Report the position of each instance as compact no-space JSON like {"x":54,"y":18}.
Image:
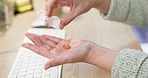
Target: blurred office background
{"x":16,"y":16}
{"x":142,"y":36}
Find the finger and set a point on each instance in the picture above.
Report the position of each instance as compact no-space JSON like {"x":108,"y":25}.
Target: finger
{"x":39,"y":50}
{"x":48,"y":47}
{"x":47,"y":23}
{"x":30,"y":47}
{"x":46,"y":53}
{"x":48,"y":42}
{"x":53,"y":39}
{"x":67,"y":56}
{"x":40,"y":42}
{"x":49,"y":7}
{"x":34,"y":39}
{"x":56,"y":61}
{"x":62,"y":3}
{"x":66,"y":20}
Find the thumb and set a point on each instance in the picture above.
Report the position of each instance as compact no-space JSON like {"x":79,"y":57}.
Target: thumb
{"x":56,"y":61}
{"x":66,"y":20}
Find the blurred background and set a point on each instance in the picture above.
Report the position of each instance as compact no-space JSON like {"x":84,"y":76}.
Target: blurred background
{"x":17,"y":16}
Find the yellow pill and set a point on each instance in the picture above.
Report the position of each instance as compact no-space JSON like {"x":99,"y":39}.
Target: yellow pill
{"x":66,"y":47}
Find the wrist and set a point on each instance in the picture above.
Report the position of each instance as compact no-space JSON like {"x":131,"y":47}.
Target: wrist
{"x":101,"y":57}
{"x":103,"y":6}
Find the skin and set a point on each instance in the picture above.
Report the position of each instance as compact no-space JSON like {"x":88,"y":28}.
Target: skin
{"x":81,"y":51}
{"x":77,"y":7}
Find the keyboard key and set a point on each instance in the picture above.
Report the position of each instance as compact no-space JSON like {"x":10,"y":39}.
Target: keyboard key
{"x":23,"y":70}
{"x":30,"y":72}
{"x":46,"y":73}
{"x":38,"y":71}
{"x":15,"y":72}
{"x":25,"y":66}
{"x":37,"y":75}
{"x":29,"y":76}
{"x":17,"y":68}
{"x":54,"y":73}
{"x":32,"y":68}
{"x":21,"y":74}
{"x":14,"y":76}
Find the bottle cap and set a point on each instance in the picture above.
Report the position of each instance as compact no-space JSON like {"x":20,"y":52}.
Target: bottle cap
{"x":53,"y":21}
{"x":41,"y":15}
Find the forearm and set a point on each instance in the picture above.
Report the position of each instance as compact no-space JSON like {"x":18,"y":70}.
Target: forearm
{"x":130,"y":64}
{"x":102,"y":57}
{"x":103,"y":6}
{"x":133,"y":12}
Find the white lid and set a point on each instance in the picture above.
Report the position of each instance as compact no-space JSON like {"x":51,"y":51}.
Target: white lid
{"x":41,"y":15}
{"x":54,"y":21}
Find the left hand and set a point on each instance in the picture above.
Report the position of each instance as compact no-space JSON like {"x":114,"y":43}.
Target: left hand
{"x":52,"y":47}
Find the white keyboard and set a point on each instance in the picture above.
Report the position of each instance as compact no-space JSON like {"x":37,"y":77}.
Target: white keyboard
{"x":31,"y":65}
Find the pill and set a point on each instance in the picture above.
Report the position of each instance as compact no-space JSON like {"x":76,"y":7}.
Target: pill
{"x":66,"y":47}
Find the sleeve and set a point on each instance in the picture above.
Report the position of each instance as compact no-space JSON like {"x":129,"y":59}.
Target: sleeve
{"x":133,"y":12}
{"x":130,"y":64}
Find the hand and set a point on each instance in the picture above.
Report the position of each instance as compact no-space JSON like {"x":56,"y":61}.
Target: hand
{"x":52,"y":48}
{"x":77,"y":7}
{"x":80,"y":51}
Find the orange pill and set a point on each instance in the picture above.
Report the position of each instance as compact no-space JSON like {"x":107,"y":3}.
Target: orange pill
{"x":66,"y":47}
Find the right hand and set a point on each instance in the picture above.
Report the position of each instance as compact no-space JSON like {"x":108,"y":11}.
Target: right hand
{"x":77,"y":7}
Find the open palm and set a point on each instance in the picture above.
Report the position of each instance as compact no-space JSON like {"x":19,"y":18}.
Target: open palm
{"x":52,"y":47}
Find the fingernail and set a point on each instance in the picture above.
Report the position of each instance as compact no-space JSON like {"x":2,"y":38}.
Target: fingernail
{"x":23,"y":45}
{"x":61,"y":27}
{"x":46,"y":22}
{"x":45,"y":67}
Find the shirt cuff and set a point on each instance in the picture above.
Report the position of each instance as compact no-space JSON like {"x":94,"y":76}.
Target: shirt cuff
{"x":118,"y":10}
{"x":128,"y":63}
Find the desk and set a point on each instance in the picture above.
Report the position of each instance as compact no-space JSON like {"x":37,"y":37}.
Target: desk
{"x":108,"y":34}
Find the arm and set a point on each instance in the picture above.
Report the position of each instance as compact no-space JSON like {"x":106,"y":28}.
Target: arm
{"x":127,"y":64}
{"x":80,"y":51}
{"x":130,"y":64}
{"x":101,"y":57}
{"x":133,"y":12}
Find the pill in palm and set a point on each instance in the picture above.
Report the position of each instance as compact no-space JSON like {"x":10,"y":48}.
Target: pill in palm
{"x":66,"y":47}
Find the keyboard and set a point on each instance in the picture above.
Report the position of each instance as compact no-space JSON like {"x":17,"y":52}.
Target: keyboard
{"x":31,"y":65}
